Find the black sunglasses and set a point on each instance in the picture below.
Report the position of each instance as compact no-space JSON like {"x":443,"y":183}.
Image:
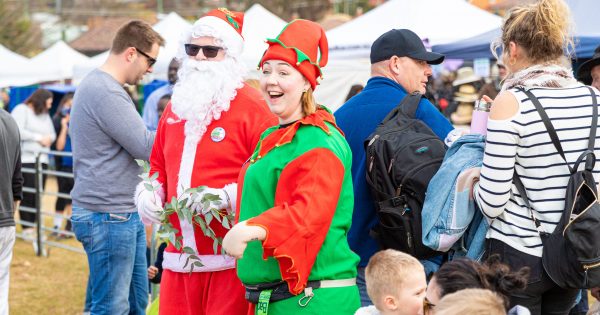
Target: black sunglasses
{"x":151,"y":61}
{"x":208,"y":51}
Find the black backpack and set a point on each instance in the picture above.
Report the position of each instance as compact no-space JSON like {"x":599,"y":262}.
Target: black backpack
{"x":403,"y":154}
{"x":571,"y":253}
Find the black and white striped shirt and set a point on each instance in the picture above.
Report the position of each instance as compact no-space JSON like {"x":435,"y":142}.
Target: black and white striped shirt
{"x":522,"y":143}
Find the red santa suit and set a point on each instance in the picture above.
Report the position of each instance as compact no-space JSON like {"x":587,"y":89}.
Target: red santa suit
{"x":215,"y":161}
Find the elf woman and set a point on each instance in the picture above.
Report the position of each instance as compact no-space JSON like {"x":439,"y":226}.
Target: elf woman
{"x":295,"y":192}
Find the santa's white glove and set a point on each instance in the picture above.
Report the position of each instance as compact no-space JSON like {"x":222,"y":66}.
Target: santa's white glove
{"x":199,"y":202}
{"x":236,"y":240}
{"x":149,"y":203}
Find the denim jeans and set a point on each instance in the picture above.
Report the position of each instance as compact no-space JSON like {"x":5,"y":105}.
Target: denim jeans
{"x":115,"y":244}
{"x":362,"y":287}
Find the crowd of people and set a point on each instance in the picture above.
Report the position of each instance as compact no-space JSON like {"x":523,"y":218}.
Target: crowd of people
{"x":293,"y":173}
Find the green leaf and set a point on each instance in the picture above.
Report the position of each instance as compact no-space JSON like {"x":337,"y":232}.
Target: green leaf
{"x":198,"y":264}
{"x":208,"y":217}
{"x":140,"y":163}
{"x":154,"y":176}
{"x":225,"y":223}
{"x":148,"y":187}
{"x":215,"y":246}
{"x":188,"y":250}
{"x":211,"y":197}
{"x":191,"y":190}
{"x":187,"y":260}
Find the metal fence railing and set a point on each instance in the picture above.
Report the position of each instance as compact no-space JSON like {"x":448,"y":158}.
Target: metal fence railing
{"x":40,"y":240}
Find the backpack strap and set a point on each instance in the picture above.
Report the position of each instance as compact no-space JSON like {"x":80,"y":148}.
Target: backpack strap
{"x":407,"y":107}
{"x":589,"y":162}
{"x":554,"y":137}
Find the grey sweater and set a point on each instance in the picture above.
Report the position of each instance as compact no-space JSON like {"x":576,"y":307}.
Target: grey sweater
{"x":107,"y":135}
{"x":11,"y":179}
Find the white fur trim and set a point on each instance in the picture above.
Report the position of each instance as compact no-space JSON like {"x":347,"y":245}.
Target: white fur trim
{"x":176,"y":261}
{"x":186,"y":168}
{"x":231,"y":191}
{"x":215,"y":27}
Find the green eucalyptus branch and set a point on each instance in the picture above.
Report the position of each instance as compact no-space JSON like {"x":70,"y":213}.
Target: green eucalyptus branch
{"x":168,"y":233}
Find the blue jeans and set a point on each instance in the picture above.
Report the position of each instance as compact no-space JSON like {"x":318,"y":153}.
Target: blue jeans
{"x":362,"y":287}
{"x":115,"y":244}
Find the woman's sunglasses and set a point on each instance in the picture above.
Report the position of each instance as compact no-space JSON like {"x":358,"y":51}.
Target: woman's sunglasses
{"x":208,"y":51}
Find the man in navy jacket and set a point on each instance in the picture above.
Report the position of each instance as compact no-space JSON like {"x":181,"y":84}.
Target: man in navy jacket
{"x":400,"y":64}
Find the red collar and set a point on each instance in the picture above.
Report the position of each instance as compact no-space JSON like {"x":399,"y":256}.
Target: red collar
{"x":283,"y":136}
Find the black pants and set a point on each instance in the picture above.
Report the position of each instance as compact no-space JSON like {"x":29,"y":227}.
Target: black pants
{"x":542,"y":295}
{"x":29,"y":198}
{"x":65,"y":185}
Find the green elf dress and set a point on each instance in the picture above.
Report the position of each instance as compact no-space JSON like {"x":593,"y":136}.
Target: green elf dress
{"x":298,"y":187}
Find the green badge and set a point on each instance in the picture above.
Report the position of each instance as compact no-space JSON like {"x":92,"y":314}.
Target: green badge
{"x":262,"y":308}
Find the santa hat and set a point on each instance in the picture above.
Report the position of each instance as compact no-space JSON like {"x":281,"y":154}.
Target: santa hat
{"x":303,"y":45}
{"x":224,"y":25}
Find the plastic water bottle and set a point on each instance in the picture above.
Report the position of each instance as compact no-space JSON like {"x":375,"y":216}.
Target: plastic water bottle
{"x":480,"y":117}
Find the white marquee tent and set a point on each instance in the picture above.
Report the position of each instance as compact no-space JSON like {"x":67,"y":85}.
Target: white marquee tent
{"x":439,"y":21}
{"x":259,"y":24}
{"x":54,"y":63}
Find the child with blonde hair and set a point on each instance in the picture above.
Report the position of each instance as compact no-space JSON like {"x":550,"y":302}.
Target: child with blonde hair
{"x":395,"y":283}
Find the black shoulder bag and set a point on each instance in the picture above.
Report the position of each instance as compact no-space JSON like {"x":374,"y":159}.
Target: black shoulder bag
{"x":571,"y":253}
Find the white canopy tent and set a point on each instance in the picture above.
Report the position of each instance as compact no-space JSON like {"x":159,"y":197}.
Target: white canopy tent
{"x":439,"y":21}
{"x":53,"y":64}
{"x":259,"y":24}
{"x":10,"y":62}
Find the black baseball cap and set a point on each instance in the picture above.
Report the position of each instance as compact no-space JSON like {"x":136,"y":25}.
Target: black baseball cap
{"x":584,"y":73}
{"x":402,"y":43}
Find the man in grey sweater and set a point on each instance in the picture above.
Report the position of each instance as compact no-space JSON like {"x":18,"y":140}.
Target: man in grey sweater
{"x":11,"y":193}
{"x":107,"y":135}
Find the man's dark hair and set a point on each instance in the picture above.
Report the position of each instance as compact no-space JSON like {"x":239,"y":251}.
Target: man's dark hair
{"x":38,"y":100}
{"x":138,"y":34}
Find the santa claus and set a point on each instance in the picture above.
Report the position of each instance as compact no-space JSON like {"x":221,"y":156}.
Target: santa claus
{"x":205,"y":135}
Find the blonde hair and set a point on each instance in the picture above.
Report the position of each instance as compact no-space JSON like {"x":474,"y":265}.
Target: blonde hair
{"x":543,"y":29}
{"x":471,"y":301}
{"x":253,"y":83}
{"x":387,"y":271}
{"x":309,"y":105}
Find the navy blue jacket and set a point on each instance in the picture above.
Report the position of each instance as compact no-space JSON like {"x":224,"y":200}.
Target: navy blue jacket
{"x":358,"y":118}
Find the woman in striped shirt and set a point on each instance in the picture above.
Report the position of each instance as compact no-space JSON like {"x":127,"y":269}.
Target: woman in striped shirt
{"x":534,"y":39}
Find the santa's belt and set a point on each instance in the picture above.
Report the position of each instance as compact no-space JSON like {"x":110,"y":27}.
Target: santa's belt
{"x":279,"y":290}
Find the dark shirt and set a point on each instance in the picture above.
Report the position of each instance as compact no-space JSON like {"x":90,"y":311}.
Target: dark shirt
{"x":358,"y":118}
{"x":11,"y":179}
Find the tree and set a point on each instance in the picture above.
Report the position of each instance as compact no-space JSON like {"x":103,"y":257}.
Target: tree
{"x":17,"y":32}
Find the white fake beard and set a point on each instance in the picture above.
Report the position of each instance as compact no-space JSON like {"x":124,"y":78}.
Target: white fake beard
{"x":204,"y":90}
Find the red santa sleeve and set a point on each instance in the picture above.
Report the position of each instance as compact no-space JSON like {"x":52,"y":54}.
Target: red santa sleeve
{"x":305,"y":201}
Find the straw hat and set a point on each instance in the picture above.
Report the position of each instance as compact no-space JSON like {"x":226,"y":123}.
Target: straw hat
{"x":466,"y":94}
{"x":465,"y":75}
{"x":463,"y":114}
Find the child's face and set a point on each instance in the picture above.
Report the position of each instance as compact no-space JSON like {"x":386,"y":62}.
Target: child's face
{"x":409,"y":299}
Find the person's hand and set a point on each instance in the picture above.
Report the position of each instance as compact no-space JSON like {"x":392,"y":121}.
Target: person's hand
{"x":237,"y":238}
{"x":199,"y":202}
{"x":487,"y":99}
{"x":152,"y":271}
{"x":596,"y":293}
{"x":64,"y":122}
{"x":46,"y":141}
{"x":149,"y":205}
